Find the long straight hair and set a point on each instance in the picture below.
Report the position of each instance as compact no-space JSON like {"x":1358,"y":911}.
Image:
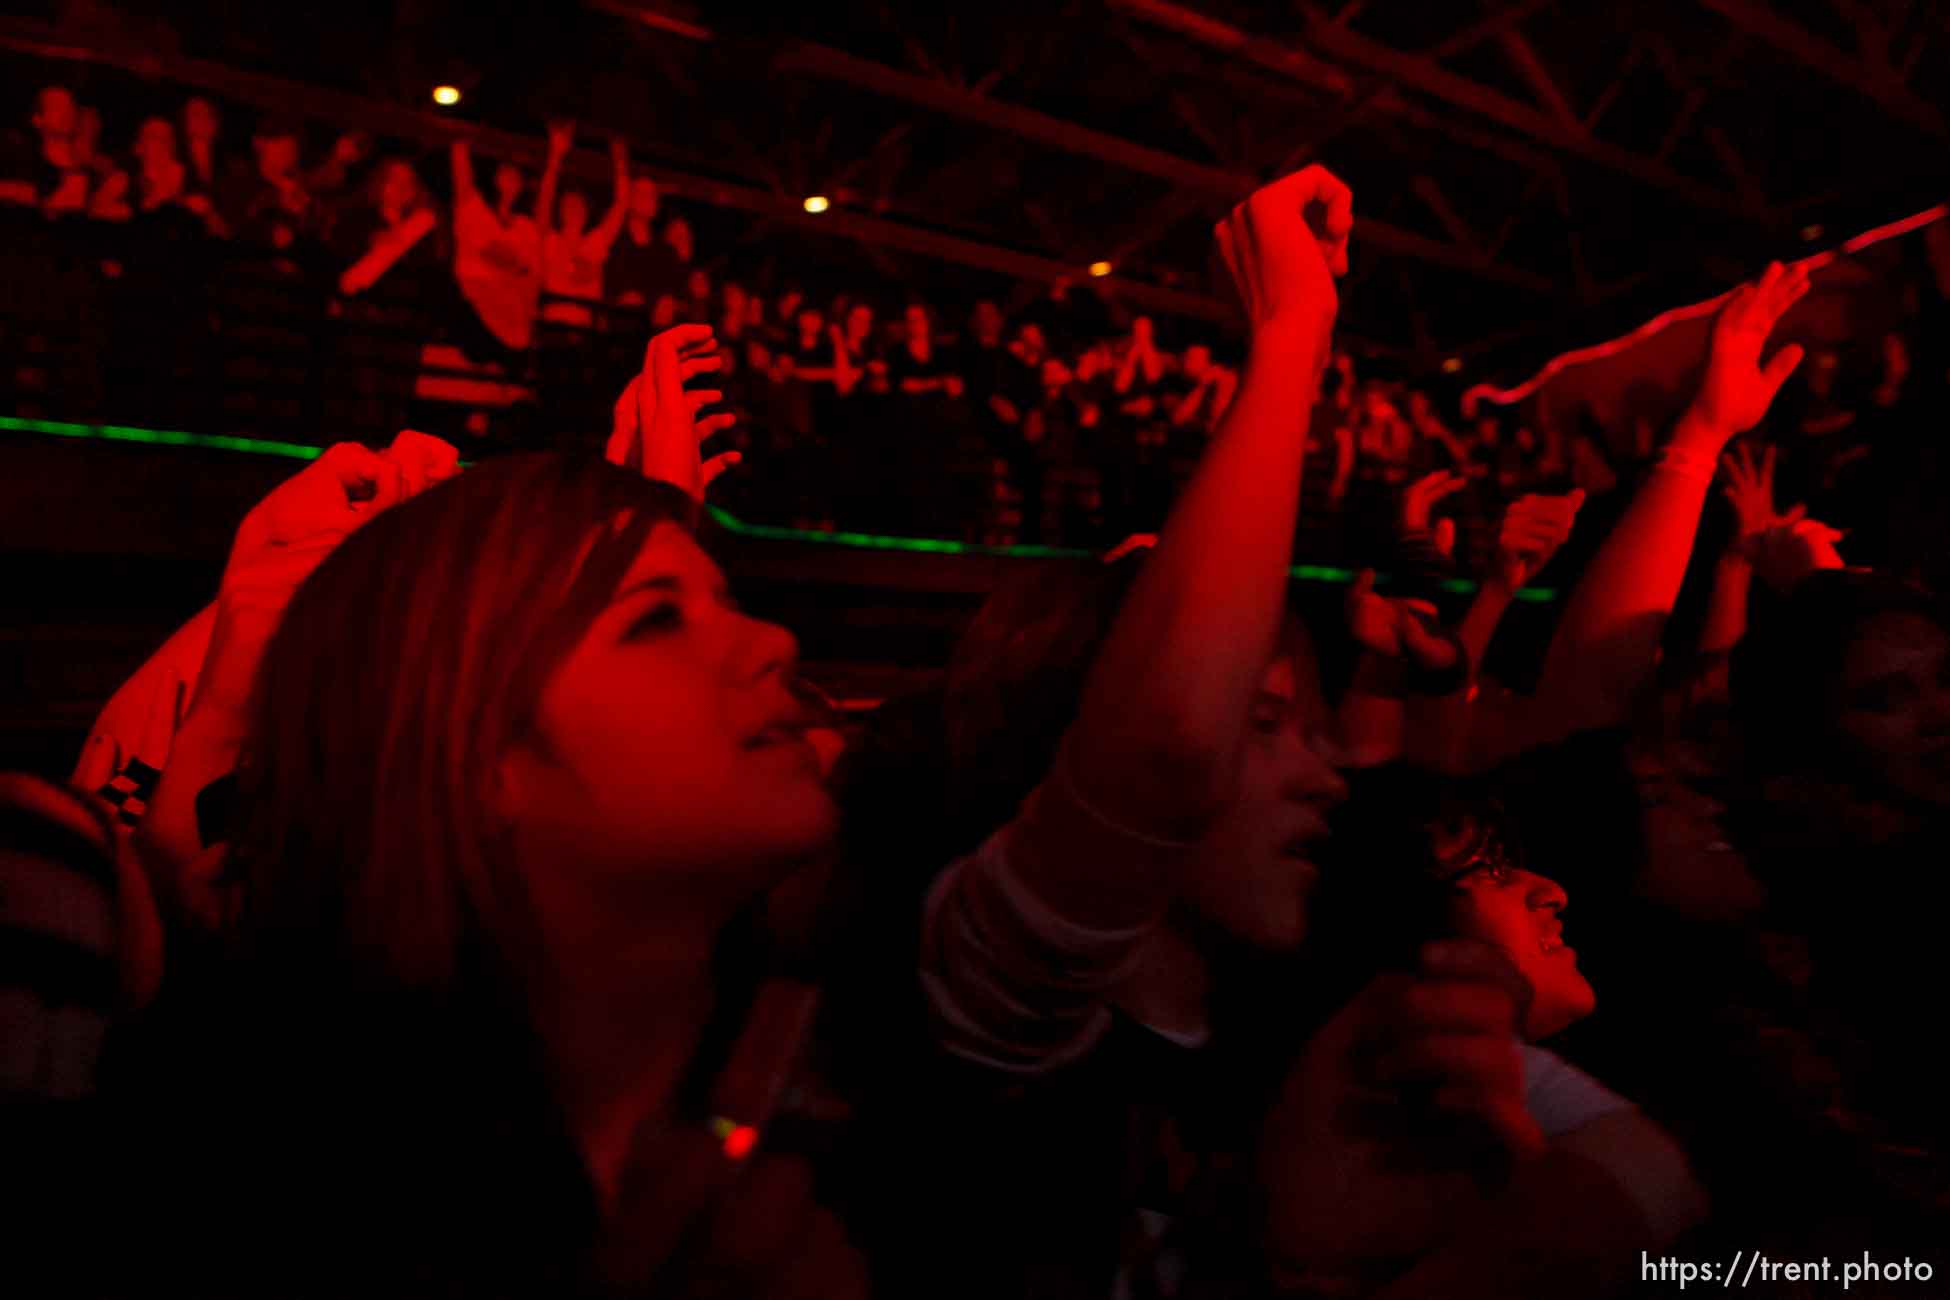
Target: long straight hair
{"x":361,"y":1037}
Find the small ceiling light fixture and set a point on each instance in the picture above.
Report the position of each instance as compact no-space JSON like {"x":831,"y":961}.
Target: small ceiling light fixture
{"x":446,"y":96}
{"x":1452,"y":365}
{"x":1811,"y":233}
{"x":817,"y":203}
{"x":1100,"y":269}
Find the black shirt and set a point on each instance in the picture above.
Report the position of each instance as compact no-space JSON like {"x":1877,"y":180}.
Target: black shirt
{"x":649,"y":270}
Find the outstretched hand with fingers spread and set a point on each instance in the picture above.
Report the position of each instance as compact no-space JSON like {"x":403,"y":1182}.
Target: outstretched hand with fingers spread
{"x":1738,"y":388}
{"x":655,"y":427}
{"x":1749,"y":490}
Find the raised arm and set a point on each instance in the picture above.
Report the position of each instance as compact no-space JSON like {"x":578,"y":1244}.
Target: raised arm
{"x":561,"y":137}
{"x":1126,"y":370}
{"x":619,"y":199}
{"x":1156,"y":743}
{"x":1749,"y":490}
{"x":280,"y":542}
{"x":846,"y":374}
{"x":1343,"y":462}
{"x":461,"y":157}
{"x":1227,"y":385}
{"x":385,"y":251}
{"x":1533,"y":529}
{"x":1607,"y":642}
{"x":1185,"y":409}
{"x":1023,"y":941}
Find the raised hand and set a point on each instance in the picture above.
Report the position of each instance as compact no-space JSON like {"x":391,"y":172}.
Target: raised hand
{"x":654,"y":427}
{"x":1397,"y":629}
{"x":1399,"y":1107}
{"x":1418,"y":503}
{"x":1792,"y":548}
{"x":561,"y":136}
{"x":1533,"y":529}
{"x":1285,"y":245}
{"x":290,"y":532}
{"x":423,"y":460}
{"x":1749,"y":489}
{"x":1738,"y":387}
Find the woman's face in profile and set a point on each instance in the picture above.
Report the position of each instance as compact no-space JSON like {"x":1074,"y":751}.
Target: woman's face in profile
{"x":668,"y":749}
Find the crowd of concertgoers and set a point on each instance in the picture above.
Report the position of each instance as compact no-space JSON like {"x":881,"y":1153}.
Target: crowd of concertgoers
{"x":1072,"y":424}
{"x":474,"y":899}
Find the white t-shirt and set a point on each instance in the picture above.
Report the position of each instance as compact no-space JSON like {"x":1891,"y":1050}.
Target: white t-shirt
{"x":499,"y":267}
{"x":1580,"y":1115}
{"x":573,"y":268}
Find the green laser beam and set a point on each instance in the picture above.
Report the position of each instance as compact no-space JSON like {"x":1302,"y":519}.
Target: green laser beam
{"x":725,"y":519}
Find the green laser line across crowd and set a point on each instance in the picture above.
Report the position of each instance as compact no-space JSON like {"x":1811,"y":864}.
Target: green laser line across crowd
{"x":724,"y":518}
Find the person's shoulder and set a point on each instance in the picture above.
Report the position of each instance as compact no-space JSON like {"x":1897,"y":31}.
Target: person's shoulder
{"x":1560,"y":1096}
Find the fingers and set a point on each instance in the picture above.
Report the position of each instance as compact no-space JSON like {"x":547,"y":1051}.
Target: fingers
{"x":691,"y":367}
{"x":1362,"y":588}
{"x":625,"y":415}
{"x":1779,"y":367}
{"x":1323,"y":199}
{"x":423,"y":460}
{"x":718,"y":464}
{"x":1428,"y":647}
{"x":699,"y":398}
{"x":711,"y":424}
{"x":359,"y":473}
{"x":1479,"y":1055}
{"x":1444,"y":537}
{"x":393,"y":487}
{"x":1794,"y":513}
{"x":679,"y":338}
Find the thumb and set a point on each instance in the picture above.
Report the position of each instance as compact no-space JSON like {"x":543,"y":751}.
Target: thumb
{"x":1428,"y":648}
{"x":1780,"y":366}
{"x":1363,"y":586}
{"x":1445,"y":538}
